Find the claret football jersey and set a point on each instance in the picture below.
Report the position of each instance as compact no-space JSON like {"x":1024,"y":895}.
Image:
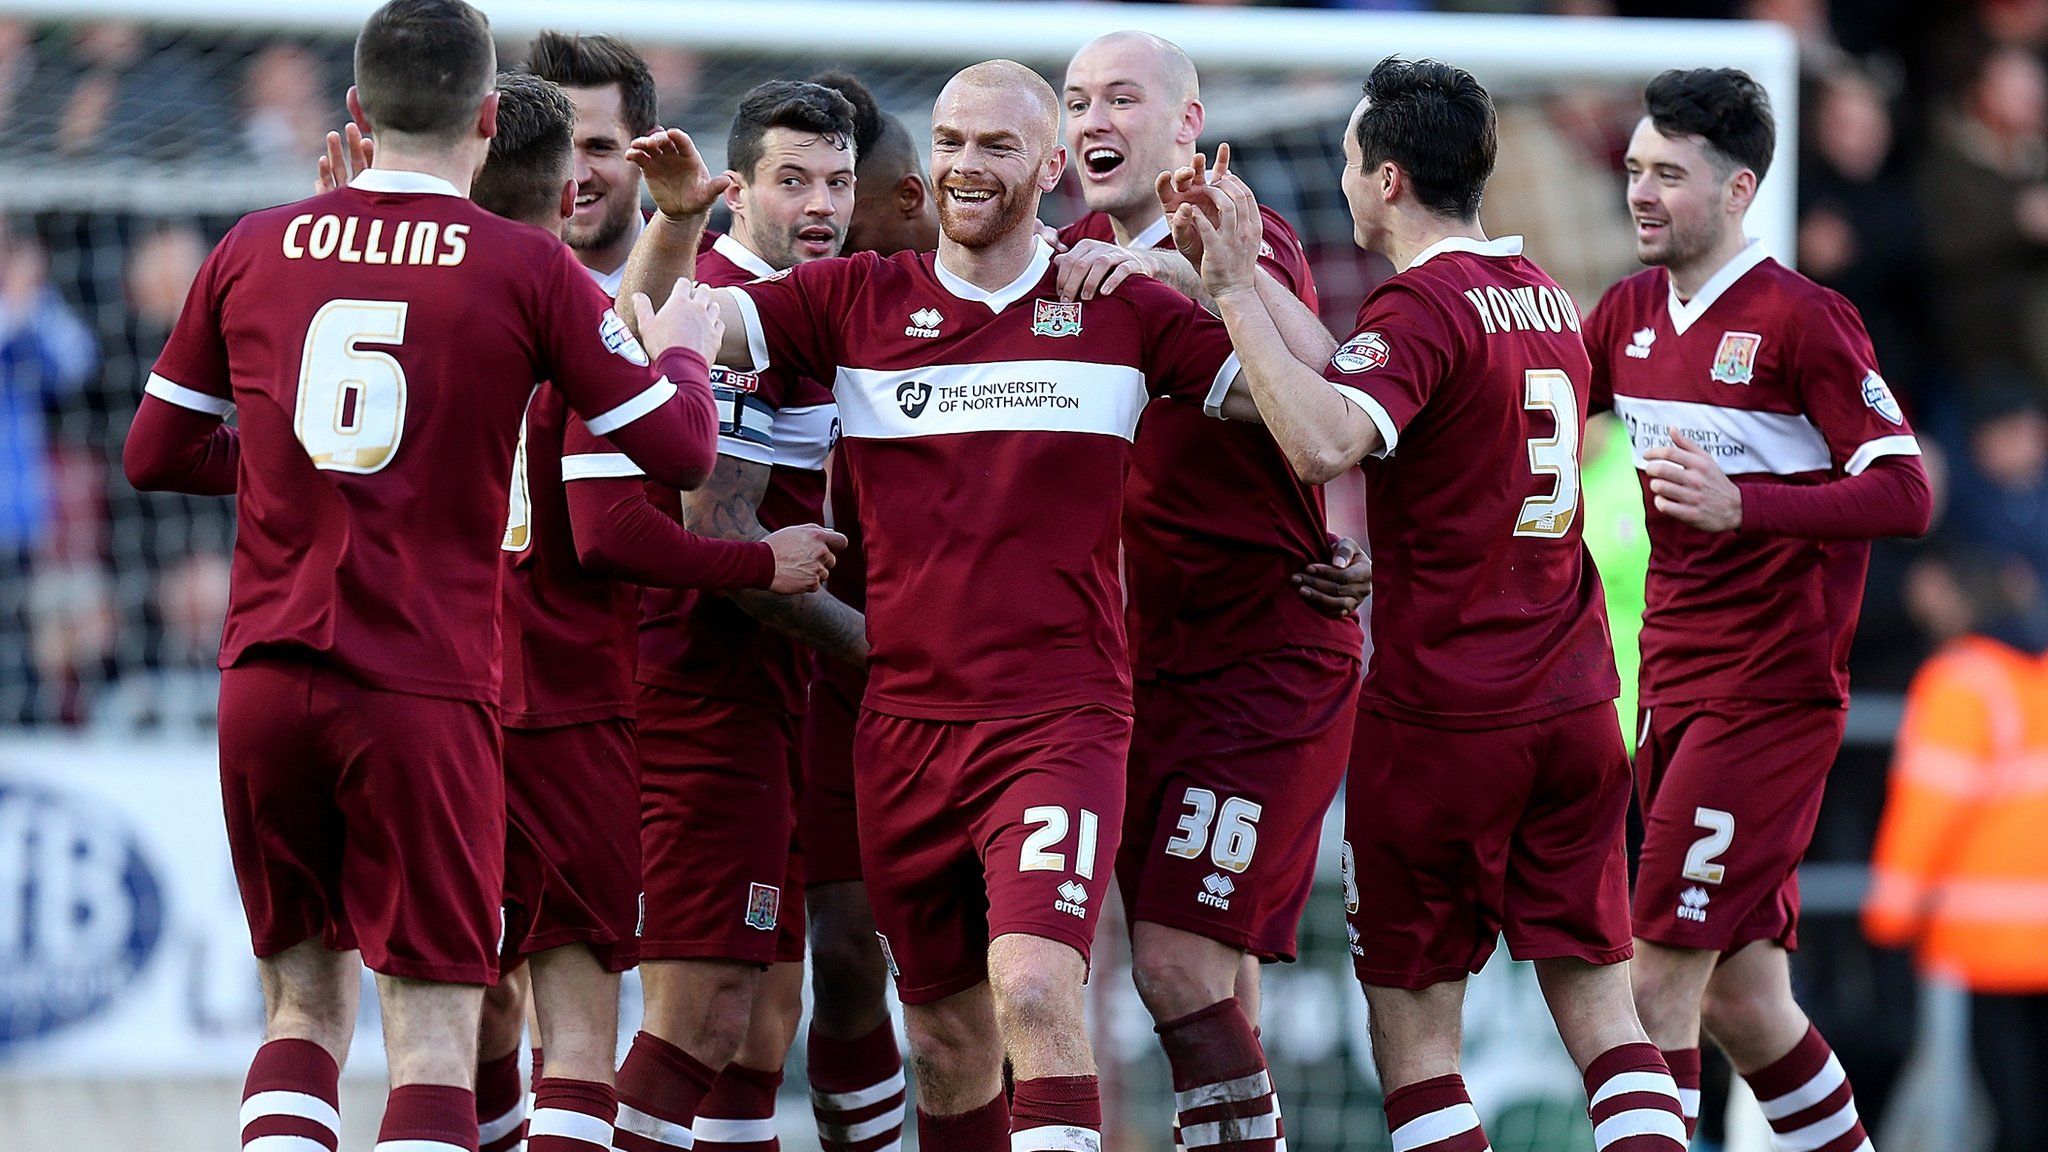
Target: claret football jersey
{"x":378,"y":345}
{"x":1486,"y":609}
{"x":701,"y":643}
{"x":1215,"y":521}
{"x":987,"y":435}
{"x":1774,"y":377}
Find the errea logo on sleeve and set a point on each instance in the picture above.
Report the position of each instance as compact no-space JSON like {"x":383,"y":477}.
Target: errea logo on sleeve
{"x":1362,"y":353}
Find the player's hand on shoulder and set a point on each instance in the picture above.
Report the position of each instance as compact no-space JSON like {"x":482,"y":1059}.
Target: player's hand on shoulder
{"x":804,"y":553}
{"x":1094,"y":268}
{"x":1688,"y":486}
{"x":1340,"y":586}
{"x":677,"y":177}
{"x":689,"y":319}
{"x":348,"y":152}
{"x":1051,"y":235}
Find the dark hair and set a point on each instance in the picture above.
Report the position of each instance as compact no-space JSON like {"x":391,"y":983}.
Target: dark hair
{"x":529,"y":161}
{"x":423,"y":67}
{"x":867,"y":114}
{"x":798,"y":105}
{"x":1436,"y":122}
{"x":593,"y":62}
{"x":1722,"y":106}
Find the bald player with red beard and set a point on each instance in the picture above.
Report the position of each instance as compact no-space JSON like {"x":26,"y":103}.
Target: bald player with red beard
{"x":987,"y":424}
{"x":1245,"y":692}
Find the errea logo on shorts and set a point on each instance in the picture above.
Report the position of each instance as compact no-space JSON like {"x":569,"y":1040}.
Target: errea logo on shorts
{"x":1216,"y":890}
{"x":1692,"y":905}
{"x":1073,"y":899}
{"x":924,"y":324}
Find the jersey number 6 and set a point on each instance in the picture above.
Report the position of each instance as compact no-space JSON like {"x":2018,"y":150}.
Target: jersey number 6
{"x":351,"y":409}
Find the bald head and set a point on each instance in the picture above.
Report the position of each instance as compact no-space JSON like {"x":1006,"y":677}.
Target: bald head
{"x":1008,"y":80}
{"x":1154,"y":61}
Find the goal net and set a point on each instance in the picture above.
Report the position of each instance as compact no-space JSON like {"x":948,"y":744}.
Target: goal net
{"x":133,"y":132}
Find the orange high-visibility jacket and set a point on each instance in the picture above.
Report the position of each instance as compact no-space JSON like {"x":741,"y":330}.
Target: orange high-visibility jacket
{"x":1961,"y":868}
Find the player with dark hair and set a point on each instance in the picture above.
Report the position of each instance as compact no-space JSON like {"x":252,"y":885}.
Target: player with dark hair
{"x":987,"y":425}
{"x":1771,"y":453}
{"x":1246,"y":691}
{"x":379,"y":343}
{"x":615,"y":102}
{"x":723,"y":678}
{"x":1488,"y":785}
{"x":850,"y":1054}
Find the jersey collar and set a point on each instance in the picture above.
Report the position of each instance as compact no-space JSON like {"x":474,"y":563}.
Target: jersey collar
{"x":1685,"y":312}
{"x":400,"y":180}
{"x":1498,"y":247}
{"x":741,"y":255}
{"x":1008,"y":294}
{"x":1153,"y":236}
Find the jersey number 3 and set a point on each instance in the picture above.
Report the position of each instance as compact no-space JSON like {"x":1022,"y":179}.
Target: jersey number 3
{"x":351,"y":410}
{"x":1550,"y":516}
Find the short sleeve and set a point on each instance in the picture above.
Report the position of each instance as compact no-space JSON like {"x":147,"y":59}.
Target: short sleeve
{"x":192,"y":370}
{"x":1280,"y":254}
{"x":793,"y":317}
{"x":1598,"y":347}
{"x":1836,"y":375}
{"x":588,"y":456}
{"x":1187,"y":351}
{"x":1393,"y":363}
{"x":747,"y":402}
{"x":589,"y":353}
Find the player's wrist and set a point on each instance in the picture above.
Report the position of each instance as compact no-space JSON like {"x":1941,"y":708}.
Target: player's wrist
{"x":681,"y":362}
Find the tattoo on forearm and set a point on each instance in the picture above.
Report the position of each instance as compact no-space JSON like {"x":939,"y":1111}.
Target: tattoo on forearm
{"x":814,"y":618}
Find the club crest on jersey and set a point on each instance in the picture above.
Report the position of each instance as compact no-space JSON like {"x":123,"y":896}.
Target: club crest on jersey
{"x":763,"y":902}
{"x":1878,"y":395}
{"x":1362,"y":353}
{"x":912,"y":396}
{"x":618,"y":339}
{"x":1735,"y":359}
{"x":1639,"y":344}
{"x":924,"y":324}
{"x":1056,"y":318}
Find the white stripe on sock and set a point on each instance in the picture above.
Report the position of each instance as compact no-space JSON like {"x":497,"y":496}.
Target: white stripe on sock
{"x":503,"y":1126}
{"x":1659,"y":1082}
{"x":1818,"y":1133}
{"x":859,"y":1097}
{"x":1689,"y":1102}
{"x":867,"y":1129}
{"x":1056,"y":1138}
{"x":1250,"y":1087}
{"x":570,"y":1125}
{"x":1639,"y":1122}
{"x":303,"y":1105}
{"x":1248,"y":1128}
{"x":654,"y":1128}
{"x":713,"y":1130}
{"x":1441,"y":1124}
{"x":284,"y":1144}
{"x":1805,"y":1096}
{"x":416,"y":1146}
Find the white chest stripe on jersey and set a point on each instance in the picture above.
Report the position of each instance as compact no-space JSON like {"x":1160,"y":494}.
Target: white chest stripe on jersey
{"x":1741,"y":440}
{"x":803,"y":436}
{"x":1004,"y":396}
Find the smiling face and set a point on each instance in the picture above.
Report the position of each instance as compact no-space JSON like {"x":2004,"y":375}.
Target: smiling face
{"x":607,"y":184}
{"x":1681,"y":196}
{"x":995,"y":151}
{"x":796,"y":204}
{"x":1131,"y":113}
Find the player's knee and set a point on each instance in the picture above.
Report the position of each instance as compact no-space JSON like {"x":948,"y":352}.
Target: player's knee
{"x":1037,"y":1000}
{"x":1739,"y":1016}
{"x":1174,"y":985}
{"x":846,"y":968}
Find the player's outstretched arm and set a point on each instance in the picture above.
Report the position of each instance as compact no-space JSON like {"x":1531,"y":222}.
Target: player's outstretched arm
{"x":684,"y":191}
{"x":728,"y":507}
{"x":1319,"y":431}
{"x":176,"y":449}
{"x":620,"y":533}
{"x":1891,"y":497}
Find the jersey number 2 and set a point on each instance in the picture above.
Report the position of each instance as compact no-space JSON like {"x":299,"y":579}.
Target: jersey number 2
{"x":351,"y":410}
{"x":1550,"y":516}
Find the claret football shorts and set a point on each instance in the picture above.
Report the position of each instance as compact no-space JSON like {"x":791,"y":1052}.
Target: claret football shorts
{"x":1231,"y":773}
{"x":827,"y":823}
{"x":370,"y":819}
{"x":1730,"y":791}
{"x":718,"y":828}
{"x":572,"y":852}
{"x":976,"y":829}
{"x":1454,"y":838}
